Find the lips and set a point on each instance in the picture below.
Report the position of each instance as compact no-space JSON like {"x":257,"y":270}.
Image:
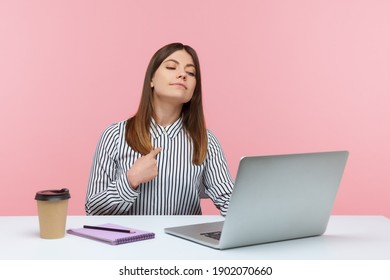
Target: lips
{"x":180,"y":85}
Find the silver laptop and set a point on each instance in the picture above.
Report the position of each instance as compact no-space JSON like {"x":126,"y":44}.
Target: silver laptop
{"x":275,"y":198}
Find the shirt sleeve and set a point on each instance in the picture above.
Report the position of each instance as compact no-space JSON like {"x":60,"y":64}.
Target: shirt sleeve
{"x":217,"y":179}
{"x":109,"y":192}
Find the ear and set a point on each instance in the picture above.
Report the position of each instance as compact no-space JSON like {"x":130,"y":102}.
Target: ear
{"x":151,"y":84}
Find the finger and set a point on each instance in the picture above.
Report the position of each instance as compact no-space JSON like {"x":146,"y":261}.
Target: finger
{"x":155,"y":152}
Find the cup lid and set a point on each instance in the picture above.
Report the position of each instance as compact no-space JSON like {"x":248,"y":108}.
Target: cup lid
{"x":52,"y":195}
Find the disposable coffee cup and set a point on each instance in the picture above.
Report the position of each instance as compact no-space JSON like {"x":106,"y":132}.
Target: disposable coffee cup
{"x":52,"y":212}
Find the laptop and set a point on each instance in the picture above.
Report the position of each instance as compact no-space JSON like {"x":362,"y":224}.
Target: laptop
{"x":275,"y":198}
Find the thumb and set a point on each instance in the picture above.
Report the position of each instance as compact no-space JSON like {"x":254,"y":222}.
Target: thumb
{"x":155,"y":152}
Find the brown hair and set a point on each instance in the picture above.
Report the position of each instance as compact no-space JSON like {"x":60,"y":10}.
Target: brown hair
{"x":138,"y":126}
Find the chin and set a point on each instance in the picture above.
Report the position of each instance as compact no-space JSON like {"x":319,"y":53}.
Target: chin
{"x":179,"y":98}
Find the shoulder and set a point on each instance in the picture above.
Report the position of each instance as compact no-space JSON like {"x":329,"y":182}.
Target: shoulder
{"x":213,"y":142}
{"x":215,"y":154}
{"x":112,"y":132}
{"x":211,"y":136}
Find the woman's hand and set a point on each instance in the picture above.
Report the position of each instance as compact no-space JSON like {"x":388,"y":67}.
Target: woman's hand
{"x":144,"y":169}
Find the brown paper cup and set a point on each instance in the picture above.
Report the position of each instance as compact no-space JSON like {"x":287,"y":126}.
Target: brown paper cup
{"x":52,"y":212}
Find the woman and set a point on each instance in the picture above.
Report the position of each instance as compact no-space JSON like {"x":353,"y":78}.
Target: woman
{"x":158,"y":161}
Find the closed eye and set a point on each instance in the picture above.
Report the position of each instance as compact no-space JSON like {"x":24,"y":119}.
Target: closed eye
{"x":191,"y":74}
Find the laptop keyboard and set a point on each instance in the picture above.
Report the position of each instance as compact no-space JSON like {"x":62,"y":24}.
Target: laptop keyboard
{"x":214,"y":235}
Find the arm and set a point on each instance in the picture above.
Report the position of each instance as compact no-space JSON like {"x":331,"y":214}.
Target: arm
{"x":217,"y":179}
{"x":109,"y":192}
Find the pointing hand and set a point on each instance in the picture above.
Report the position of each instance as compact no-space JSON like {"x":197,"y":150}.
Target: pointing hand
{"x":144,"y":169}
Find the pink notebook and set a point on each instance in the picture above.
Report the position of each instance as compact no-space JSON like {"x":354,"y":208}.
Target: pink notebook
{"x":112,"y":237}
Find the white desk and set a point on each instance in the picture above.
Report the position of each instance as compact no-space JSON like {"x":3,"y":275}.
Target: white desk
{"x":347,"y":237}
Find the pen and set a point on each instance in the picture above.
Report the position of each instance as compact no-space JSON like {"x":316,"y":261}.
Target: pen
{"x":109,"y":229}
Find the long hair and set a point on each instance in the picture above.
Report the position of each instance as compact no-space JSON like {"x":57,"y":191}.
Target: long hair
{"x":138,"y":126}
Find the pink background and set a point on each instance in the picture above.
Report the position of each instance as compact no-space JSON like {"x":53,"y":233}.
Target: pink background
{"x":278,"y":77}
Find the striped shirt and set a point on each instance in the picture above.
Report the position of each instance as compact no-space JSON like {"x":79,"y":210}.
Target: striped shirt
{"x":175,"y":190}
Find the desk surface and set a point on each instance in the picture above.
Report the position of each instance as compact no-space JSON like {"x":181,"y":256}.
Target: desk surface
{"x":347,"y":237}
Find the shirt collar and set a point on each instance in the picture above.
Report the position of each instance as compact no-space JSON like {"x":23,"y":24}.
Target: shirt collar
{"x":171,"y":130}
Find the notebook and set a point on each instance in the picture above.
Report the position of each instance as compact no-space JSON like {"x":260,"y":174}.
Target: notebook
{"x":275,"y":198}
{"x":111,"y":237}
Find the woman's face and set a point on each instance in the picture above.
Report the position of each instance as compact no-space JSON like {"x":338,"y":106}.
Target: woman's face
{"x":174,"y":80}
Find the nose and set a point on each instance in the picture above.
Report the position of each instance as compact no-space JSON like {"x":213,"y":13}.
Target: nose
{"x":182,"y":75}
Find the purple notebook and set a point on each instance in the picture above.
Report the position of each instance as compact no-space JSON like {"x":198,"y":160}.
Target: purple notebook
{"x":112,"y":237}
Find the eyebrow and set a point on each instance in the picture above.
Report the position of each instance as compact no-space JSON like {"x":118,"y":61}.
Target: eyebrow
{"x":177,"y":62}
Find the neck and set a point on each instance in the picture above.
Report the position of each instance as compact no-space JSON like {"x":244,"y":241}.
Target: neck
{"x":166,"y":114}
